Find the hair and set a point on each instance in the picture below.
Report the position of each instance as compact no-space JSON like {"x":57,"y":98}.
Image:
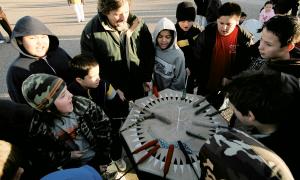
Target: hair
{"x":10,"y":160}
{"x":230,"y":9}
{"x":268,"y":2}
{"x":243,"y":14}
{"x":81,"y":65}
{"x":270,"y":96}
{"x":105,"y":6}
{"x":285,"y":27}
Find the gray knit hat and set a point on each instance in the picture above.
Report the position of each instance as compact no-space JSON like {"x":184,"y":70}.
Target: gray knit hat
{"x":41,"y":90}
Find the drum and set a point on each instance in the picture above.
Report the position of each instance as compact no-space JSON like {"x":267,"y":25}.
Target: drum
{"x":164,"y":121}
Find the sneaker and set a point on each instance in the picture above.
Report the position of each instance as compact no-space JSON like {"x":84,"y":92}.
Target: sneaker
{"x":2,"y":41}
{"x":109,"y":175}
{"x":120,"y":164}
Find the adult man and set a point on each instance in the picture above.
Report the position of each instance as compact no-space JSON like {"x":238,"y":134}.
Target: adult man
{"x":123,"y":46}
{"x":221,"y":50}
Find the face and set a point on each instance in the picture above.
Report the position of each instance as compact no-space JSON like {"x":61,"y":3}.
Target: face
{"x":269,"y":46}
{"x":164,"y":38}
{"x":118,"y":18}
{"x":268,"y":7}
{"x":36,"y":45}
{"x":92,"y":79}
{"x":185,"y":25}
{"x":226,"y":24}
{"x":63,"y":102}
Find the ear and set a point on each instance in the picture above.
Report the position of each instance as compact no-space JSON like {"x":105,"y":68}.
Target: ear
{"x":79,"y":80}
{"x":19,"y":41}
{"x":291,"y":46}
{"x":251,"y":116}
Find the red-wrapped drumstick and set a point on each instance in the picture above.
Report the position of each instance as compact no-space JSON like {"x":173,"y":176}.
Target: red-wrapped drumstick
{"x":151,"y":152}
{"x":145,"y":146}
{"x":168,"y":159}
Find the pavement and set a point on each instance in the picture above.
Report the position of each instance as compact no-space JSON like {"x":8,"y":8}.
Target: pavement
{"x":61,"y":20}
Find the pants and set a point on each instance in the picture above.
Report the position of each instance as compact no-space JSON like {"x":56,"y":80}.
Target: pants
{"x":4,"y":22}
{"x":78,"y":8}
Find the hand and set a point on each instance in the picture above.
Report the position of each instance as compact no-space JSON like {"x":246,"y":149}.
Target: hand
{"x":121,"y":94}
{"x":147,"y":86}
{"x":226,"y":81}
{"x":135,"y":23}
{"x":188,"y":72}
{"x":76,"y":154}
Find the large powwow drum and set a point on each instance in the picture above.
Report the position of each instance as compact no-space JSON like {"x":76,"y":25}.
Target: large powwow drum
{"x":164,"y":134}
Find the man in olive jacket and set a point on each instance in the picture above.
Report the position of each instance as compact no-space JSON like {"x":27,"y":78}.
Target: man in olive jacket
{"x":123,"y":46}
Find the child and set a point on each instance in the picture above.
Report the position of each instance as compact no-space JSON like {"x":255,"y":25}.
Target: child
{"x":87,"y":83}
{"x":169,"y":68}
{"x":39,"y":53}
{"x":66,"y":131}
{"x":78,"y":8}
{"x":276,"y":43}
{"x":222,"y":52}
{"x":186,"y":35}
{"x":269,"y":102}
{"x":243,"y":17}
{"x":267,"y":12}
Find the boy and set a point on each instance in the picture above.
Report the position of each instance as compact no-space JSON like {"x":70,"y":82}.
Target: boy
{"x":221,"y":51}
{"x":39,"y":52}
{"x":66,"y":131}
{"x":276,"y":43}
{"x":268,"y":102}
{"x":87,"y":83}
{"x":186,"y":35}
{"x":169,"y":68}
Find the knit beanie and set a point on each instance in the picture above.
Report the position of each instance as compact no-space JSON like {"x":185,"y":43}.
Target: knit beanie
{"x":41,"y":90}
{"x":185,"y":11}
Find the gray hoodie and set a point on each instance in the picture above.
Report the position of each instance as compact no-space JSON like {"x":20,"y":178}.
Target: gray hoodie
{"x":169,"y":68}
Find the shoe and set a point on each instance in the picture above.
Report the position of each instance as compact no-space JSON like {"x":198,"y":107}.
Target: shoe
{"x":120,"y":164}
{"x":109,"y":175}
{"x":2,"y":41}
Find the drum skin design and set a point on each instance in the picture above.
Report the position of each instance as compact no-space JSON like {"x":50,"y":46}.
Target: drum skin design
{"x":140,"y":128}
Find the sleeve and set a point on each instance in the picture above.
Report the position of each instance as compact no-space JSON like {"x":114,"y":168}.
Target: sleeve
{"x":87,"y":40}
{"x":146,"y":54}
{"x":261,"y":16}
{"x":178,"y":82}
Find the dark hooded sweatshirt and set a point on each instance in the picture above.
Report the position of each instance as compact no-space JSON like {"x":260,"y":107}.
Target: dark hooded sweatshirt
{"x":55,"y":62}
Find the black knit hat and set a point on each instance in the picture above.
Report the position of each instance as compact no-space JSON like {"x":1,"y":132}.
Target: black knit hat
{"x":185,"y":11}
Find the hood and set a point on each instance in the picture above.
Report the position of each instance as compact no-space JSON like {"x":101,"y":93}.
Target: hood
{"x":28,"y":25}
{"x":165,"y":23}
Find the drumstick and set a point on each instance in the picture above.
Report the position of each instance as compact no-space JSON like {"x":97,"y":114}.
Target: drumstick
{"x":139,"y":120}
{"x":146,"y":156}
{"x":145,"y":146}
{"x":188,"y":160}
{"x":155,"y":91}
{"x":198,"y":136}
{"x":168,"y":159}
{"x":151,"y":152}
{"x":216,"y":112}
{"x":208,"y":125}
{"x":199,"y":101}
{"x":157,"y":116}
{"x":200,"y":110}
{"x":184,"y":90}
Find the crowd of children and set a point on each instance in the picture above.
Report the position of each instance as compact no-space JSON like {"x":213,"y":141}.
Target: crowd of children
{"x":73,"y":108}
